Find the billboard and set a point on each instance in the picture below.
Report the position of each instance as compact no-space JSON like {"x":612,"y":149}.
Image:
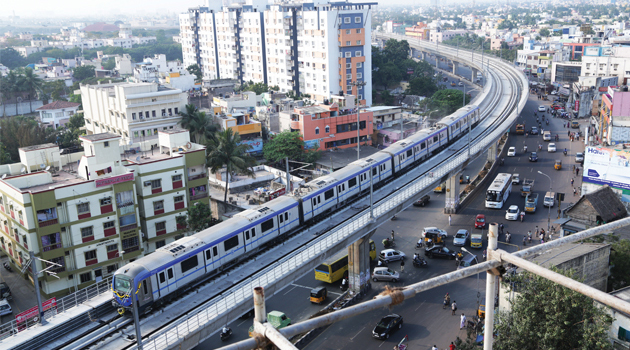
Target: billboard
{"x":256,"y":144}
{"x":32,"y":314}
{"x":608,"y":166}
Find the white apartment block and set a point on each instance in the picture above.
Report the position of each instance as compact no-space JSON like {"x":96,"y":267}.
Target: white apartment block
{"x":316,"y":48}
{"x":606,"y":62}
{"x":134,"y":111}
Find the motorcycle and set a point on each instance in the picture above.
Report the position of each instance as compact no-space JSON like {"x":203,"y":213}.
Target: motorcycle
{"x":420,"y":262}
{"x":388,"y":243}
{"x":524,"y":149}
{"x":565,"y":152}
{"x":419,"y":244}
{"x":226,"y":333}
{"x":7,"y":267}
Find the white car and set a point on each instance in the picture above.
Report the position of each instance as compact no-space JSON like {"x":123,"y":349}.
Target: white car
{"x":512,"y":213}
{"x":516,"y":179}
{"x":460,"y":84}
{"x":5,"y":308}
{"x":542,"y":109}
{"x":442,"y":233}
{"x":389,"y":255}
{"x":511,"y":152}
{"x":554,"y":92}
{"x":551,"y":148}
{"x":461,"y":237}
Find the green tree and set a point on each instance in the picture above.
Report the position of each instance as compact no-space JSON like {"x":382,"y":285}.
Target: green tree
{"x":5,"y":157}
{"x":285,"y":144}
{"x":544,"y":32}
{"x":21,"y":131}
{"x":545,"y":315}
{"x":12,"y":86}
{"x":422,"y":86}
{"x":257,"y":88}
{"x":69,"y":134}
{"x":447,"y":101}
{"x":620,"y":265}
{"x":228,"y":151}
{"x":109,"y":64}
{"x":200,"y":125}
{"x":387,"y":98}
{"x":198,"y":217}
{"x":196,"y":71}
{"x":11,"y":58}
{"x":83,"y":72}
{"x":31,"y":83}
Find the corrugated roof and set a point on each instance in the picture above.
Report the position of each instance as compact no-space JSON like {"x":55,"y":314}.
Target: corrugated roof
{"x":58,"y":105}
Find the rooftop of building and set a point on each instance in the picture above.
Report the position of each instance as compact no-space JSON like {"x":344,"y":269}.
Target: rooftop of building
{"x":311,"y":110}
{"x":99,"y":137}
{"x":37,"y":147}
{"x":568,"y":252}
{"x":58,"y":105}
{"x":41,"y":181}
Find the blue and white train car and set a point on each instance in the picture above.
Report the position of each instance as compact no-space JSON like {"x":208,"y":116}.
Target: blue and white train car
{"x":381,"y":165}
{"x":457,"y":123}
{"x":317,"y":197}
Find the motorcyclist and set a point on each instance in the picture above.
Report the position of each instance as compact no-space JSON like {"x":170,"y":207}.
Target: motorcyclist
{"x":522,"y":215}
{"x":415,"y":257}
{"x":525,"y":148}
{"x":459,"y":256}
{"x":565,"y":151}
{"x":447,"y":300}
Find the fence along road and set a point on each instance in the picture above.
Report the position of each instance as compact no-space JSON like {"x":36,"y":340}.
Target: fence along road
{"x":190,"y":331}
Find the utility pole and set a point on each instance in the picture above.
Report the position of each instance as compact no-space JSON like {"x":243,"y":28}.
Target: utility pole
{"x":359,"y":84}
{"x":35,"y":273}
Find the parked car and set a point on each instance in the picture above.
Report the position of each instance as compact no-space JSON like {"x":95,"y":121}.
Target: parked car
{"x":385,"y":274}
{"x":442,"y":233}
{"x":387,"y":325}
{"x":542,"y":108}
{"x":512,"y":213}
{"x":579,"y":157}
{"x":437,"y":251}
{"x":5,"y":291}
{"x":461,"y":237}
{"x":533,"y":157}
{"x":511,"y":152}
{"x":389,"y":255}
{"x":516,"y":179}
{"x":551,"y":148}
{"x":480,"y":221}
{"x":422,"y":201}
{"x":5,"y":308}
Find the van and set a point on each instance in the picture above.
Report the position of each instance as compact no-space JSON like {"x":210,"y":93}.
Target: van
{"x":547,"y":136}
{"x":550,"y":199}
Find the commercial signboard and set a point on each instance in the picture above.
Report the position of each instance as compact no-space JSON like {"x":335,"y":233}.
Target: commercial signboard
{"x":608,"y":166}
{"x":113,"y":180}
{"x":256,"y":144}
{"x":31,"y":315}
{"x":311,"y":144}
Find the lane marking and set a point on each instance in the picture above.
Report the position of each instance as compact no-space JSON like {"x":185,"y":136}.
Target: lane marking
{"x":420,"y":305}
{"x":309,"y":288}
{"x":289,"y":291}
{"x":357,"y":334}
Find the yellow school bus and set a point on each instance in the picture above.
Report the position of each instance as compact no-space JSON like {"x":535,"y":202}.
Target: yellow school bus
{"x":333,"y":269}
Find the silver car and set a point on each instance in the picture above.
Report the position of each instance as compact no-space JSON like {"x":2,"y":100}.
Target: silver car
{"x":385,"y":274}
{"x":389,"y":255}
{"x":461,"y":237}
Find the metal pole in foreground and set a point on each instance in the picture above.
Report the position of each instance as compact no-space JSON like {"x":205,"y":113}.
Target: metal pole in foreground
{"x":259,"y":305}
{"x":490,"y":289}
{"x":136,"y":318}
{"x":40,"y":309}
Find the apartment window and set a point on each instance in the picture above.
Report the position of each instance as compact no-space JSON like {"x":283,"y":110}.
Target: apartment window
{"x":348,"y":43}
{"x":133,"y":116}
{"x":149,"y":133}
{"x":357,"y":19}
{"x":317,"y":131}
{"x":348,"y":54}
{"x":112,"y":248}
{"x":108,"y":225}
{"x":359,"y":75}
{"x":156,"y":184}
{"x":106,"y":144}
{"x":327,"y":129}
{"x":160,"y":226}
{"x":163,"y":112}
{"x":106,"y":201}
{"x":87,"y":232}
{"x":129,"y":243}
{"x":359,"y":31}
{"x":357,"y":53}
{"x":347,"y":31}
{"x":90,"y":255}
{"x":140,"y":115}
{"x":178,"y":199}
{"x":85,"y":277}
{"x":360,"y":97}
{"x":359,"y":64}
{"x":358,"y":42}
{"x":348,"y":65}
{"x":153,"y":114}
{"x":348,"y":76}
{"x":83,"y":208}
{"x":158,"y":205}
{"x":135,"y":134}
{"x":177,"y":178}
{"x":347,"y":20}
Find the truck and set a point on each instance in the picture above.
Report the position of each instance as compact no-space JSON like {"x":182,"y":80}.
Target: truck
{"x":277,"y":319}
{"x":475,"y":240}
{"x":531,"y":201}
{"x":520,"y":129}
{"x":526,"y":188}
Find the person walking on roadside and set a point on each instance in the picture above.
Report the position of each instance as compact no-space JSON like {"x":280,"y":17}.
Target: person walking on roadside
{"x":402,"y":266}
{"x":449,"y":219}
{"x":462,"y":321}
{"x":392,"y":235}
{"x":572,"y":181}
{"x":574,"y":191}
{"x":453,"y":308}
{"x":451,"y":347}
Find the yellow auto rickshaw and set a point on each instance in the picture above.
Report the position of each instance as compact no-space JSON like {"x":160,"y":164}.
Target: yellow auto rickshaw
{"x":558,"y":164}
{"x":434,"y":237}
{"x":318,"y":295}
{"x":481,"y":312}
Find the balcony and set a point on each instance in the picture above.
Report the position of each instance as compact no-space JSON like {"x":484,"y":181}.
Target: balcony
{"x":199,"y":195}
{"x":197,"y":176}
{"x":48,"y":222}
{"x":51,"y":247}
{"x":128,"y":227}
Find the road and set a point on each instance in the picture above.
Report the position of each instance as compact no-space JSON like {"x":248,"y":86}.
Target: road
{"x":425,"y":322}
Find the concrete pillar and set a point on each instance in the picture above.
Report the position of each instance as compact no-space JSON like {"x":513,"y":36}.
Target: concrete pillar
{"x":452,"y":195}
{"x":455,"y":64}
{"x":492,"y":152}
{"x":437,"y":59}
{"x":359,"y":268}
{"x":474,"y":74}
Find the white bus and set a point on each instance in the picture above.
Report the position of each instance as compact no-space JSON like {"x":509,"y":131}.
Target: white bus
{"x":499,"y":191}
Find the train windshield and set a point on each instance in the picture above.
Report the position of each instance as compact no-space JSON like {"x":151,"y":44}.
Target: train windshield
{"x":122,"y":285}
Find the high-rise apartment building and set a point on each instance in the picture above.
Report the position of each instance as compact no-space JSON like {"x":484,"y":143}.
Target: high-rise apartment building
{"x":317,"y":48}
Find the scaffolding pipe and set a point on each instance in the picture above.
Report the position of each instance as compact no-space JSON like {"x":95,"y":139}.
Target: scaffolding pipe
{"x":562,"y":280}
{"x":491,"y":280}
{"x":260,"y":313}
{"x":386,"y":300}
{"x":274,"y":336}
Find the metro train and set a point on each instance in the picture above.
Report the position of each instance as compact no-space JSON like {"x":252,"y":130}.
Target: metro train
{"x":175,"y":268}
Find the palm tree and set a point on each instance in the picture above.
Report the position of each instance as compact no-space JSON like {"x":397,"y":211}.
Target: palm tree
{"x":228,"y":151}
{"x":31,"y":83}
{"x":11,"y":81}
{"x":188,"y":120}
{"x":201,"y":126}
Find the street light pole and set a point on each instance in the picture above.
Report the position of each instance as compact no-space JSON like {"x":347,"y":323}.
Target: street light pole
{"x":359,"y":84}
{"x":549,"y":214}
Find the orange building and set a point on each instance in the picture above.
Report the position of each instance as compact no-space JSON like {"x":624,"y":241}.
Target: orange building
{"x":420,"y":31}
{"x":325,"y":127}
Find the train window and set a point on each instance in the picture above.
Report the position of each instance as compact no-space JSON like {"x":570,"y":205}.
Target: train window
{"x":423,"y":145}
{"x":409,"y":153}
{"x":208,"y":254}
{"x":230,"y":243}
{"x":281,"y":218}
{"x":374,"y":172}
{"x":435,"y":138}
{"x":267,"y":225}
{"x":329,"y":194}
{"x":191,"y":263}
{"x":215,"y":251}
{"x":254,"y":232}
{"x":247,"y":234}
{"x":162,"y":278}
{"x":343,"y":187}
{"x":286,"y":216}
{"x":352,"y":182}
{"x":314,"y":201}
{"x":144,"y":287}
{"x":170,"y":273}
